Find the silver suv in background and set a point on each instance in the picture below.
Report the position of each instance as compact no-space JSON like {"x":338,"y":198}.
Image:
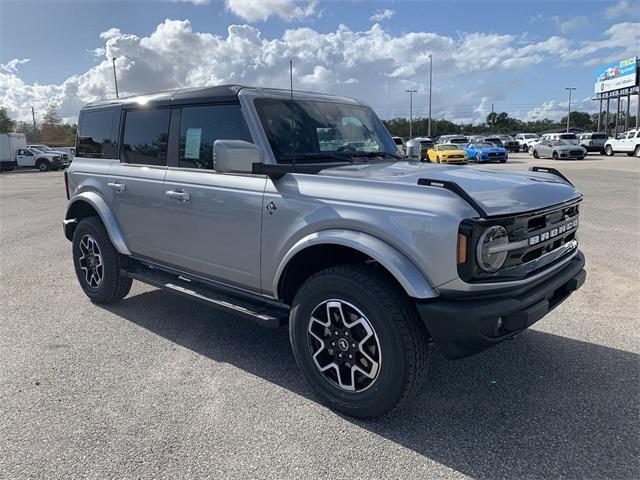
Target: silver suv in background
{"x":294,"y":209}
{"x":593,"y":142}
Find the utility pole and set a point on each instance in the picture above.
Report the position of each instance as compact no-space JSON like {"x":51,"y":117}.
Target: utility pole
{"x":493,"y":119}
{"x":430,"y":81}
{"x":411,"y":92}
{"x":115,"y":78}
{"x":569,"y":107}
{"x":33,"y":116}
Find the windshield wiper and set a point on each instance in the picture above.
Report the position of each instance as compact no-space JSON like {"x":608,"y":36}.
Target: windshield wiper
{"x":375,"y":154}
{"x":317,"y":155}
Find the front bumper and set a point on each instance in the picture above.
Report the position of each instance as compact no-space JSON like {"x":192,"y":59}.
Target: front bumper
{"x":460,"y":328}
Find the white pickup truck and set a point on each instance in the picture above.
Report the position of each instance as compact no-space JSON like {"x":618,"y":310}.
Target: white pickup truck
{"x":15,"y":153}
{"x":627,"y":142}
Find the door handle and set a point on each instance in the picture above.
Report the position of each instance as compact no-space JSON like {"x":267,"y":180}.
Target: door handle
{"x":178,"y":195}
{"x":117,"y":186}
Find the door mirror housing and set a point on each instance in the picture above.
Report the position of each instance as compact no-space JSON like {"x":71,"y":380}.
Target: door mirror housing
{"x":235,"y":156}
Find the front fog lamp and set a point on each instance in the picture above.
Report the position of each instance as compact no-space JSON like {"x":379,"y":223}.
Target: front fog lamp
{"x":491,"y":253}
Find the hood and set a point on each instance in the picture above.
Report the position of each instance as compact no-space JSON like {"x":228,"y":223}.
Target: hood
{"x":498,"y":192}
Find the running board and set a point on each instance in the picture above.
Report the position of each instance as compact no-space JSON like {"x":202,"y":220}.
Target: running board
{"x":262,"y":313}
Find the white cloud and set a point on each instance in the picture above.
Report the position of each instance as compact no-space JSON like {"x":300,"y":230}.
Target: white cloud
{"x":374,"y":65}
{"x":574,"y":23}
{"x":623,"y":8}
{"x":12,"y":65}
{"x":261,"y":10}
{"x":621,"y":41}
{"x":555,"y":110}
{"x":382,"y":15}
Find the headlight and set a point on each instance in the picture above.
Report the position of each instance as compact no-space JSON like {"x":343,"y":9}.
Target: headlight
{"x":490,"y":258}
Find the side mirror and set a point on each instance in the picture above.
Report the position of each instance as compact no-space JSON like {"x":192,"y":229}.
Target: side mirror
{"x":235,"y":156}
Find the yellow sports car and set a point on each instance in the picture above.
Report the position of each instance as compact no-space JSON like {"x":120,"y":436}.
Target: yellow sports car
{"x":446,"y":153}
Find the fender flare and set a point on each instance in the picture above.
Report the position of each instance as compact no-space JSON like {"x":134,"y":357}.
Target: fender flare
{"x":412,"y":280}
{"x":108,"y":219}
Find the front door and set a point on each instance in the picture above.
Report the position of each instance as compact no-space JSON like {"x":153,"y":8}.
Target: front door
{"x":25,"y":158}
{"x":212,"y":221}
{"x":135,"y":183}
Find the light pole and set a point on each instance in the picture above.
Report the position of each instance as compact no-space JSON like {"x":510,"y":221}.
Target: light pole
{"x":430,"y":81}
{"x":115,"y":78}
{"x":411,"y":92}
{"x":569,"y":106}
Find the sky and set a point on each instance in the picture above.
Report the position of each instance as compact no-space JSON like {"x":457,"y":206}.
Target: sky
{"x":517,"y":55}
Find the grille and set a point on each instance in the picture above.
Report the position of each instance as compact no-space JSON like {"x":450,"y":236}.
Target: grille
{"x":455,"y":156}
{"x":543,"y":238}
{"x":496,"y":154}
{"x":575,"y":152}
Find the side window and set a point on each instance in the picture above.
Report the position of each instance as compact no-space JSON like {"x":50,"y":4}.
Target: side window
{"x":201,"y":126}
{"x":95,"y":137}
{"x":145,"y":137}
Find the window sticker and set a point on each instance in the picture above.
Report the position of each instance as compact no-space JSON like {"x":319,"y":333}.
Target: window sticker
{"x":192,"y":145}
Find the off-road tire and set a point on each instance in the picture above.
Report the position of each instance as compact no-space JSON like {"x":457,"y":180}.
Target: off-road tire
{"x":114,"y":285}
{"x":42,"y":165}
{"x":402,"y":338}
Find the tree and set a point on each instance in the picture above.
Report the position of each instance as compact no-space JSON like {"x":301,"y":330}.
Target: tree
{"x":32,"y":134}
{"x":52,"y":130}
{"x":6,"y":124}
{"x":580,"y":120}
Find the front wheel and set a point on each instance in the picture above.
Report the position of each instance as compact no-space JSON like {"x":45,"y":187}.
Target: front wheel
{"x":535,"y":154}
{"x":42,"y":165}
{"x":609,"y":151}
{"x":97,"y":263}
{"x":554,"y":155}
{"x":637,"y":151}
{"x":478,"y":157}
{"x":358,"y":340}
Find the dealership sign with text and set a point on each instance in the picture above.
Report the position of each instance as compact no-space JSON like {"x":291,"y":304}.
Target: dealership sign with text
{"x":622,"y":74}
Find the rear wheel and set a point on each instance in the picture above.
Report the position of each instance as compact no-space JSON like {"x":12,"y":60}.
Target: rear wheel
{"x":609,"y":151}
{"x":358,"y":340}
{"x":97,"y":263}
{"x":637,"y":151}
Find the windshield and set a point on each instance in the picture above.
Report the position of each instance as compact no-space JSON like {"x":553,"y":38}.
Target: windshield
{"x":599,"y":136}
{"x":560,"y":142}
{"x":459,"y":140}
{"x":506,"y":137}
{"x":530,"y":135}
{"x":448,"y":147}
{"x":37,"y":149}
{"x":323,"y":131}
{"x":484,"y":145}
{"x":567,"y":136}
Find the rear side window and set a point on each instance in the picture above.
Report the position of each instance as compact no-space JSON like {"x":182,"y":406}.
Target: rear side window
{"x":201,"y":126}
{"x":96,"y":138}
{"x":145,"y":137}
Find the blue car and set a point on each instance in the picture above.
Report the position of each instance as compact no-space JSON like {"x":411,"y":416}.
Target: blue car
{"x":486,"y":152}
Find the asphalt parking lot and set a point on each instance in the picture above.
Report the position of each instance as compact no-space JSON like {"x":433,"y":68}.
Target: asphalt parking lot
{"x":159,"y":386}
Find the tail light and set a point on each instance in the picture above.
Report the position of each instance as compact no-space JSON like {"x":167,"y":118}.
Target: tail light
{"x":66,"y":185}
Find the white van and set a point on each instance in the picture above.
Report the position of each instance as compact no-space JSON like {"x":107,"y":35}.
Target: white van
{"x":9,"y":145}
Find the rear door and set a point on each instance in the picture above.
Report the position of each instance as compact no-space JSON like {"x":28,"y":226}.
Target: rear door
{"x":136,"y":180}
{"x":212,"y":223}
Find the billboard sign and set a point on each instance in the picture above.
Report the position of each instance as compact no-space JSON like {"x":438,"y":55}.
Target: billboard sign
{"x":622,"y":74}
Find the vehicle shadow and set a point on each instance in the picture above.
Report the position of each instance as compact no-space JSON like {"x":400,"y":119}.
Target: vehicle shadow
{"x":538,"y":406}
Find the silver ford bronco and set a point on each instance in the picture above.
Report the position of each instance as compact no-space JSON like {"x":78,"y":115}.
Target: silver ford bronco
{"x":294,"y":208}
